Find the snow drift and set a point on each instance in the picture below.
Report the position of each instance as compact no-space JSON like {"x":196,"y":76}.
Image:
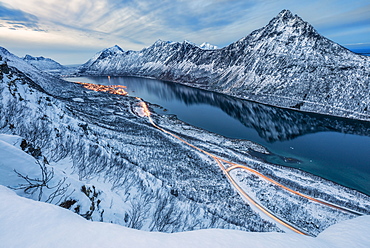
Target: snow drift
{"x":27,"y":223}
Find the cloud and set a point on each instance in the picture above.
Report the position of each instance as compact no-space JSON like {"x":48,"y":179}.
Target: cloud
{"x":189,"y":15}
{"x":18,"y":19}
{"x":138,"y":22}
{"x":134,"y":24}
{"x":199,"y":15}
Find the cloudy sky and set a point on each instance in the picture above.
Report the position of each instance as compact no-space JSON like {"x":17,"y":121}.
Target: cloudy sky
{"x":72,"y":31}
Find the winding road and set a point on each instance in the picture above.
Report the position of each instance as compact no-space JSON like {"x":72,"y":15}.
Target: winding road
{"x":232,"y":166}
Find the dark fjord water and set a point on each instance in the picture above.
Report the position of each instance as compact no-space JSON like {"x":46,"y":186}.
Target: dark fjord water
{"x":337,"y":149}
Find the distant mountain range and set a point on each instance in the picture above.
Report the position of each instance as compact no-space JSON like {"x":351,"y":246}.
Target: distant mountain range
{"x":44,"y":64}
{"x":286,"y":64}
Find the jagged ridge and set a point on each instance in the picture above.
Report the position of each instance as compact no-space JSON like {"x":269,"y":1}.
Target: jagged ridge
{"x":44,"y":64}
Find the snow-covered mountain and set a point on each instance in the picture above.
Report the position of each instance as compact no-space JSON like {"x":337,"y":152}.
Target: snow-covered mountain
{"x":286,"y":64}
{"x":89,"y":152}
{"x":45,"y":64}
{"x":207,"y":46}
{"x":45,"y":81}
{"x":111,"y":51}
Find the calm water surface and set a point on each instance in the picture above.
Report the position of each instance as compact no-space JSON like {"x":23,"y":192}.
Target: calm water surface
{"x":337,"y":149}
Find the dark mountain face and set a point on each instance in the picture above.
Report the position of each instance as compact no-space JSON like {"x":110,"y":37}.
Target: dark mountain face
{"x":286,"y":64}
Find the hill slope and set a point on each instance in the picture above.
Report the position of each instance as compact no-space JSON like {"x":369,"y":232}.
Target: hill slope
{"x":43,"y":225}
{"x":93,"y":153}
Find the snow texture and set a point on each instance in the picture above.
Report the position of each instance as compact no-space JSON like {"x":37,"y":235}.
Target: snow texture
{"x":27,"y":223}
{"x":105,"y":163}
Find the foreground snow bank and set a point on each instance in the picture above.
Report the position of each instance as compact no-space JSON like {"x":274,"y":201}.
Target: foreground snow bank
{"x":28,"y":223}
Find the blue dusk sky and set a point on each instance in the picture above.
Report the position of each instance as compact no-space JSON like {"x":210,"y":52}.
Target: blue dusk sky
{"x":73,"y":31}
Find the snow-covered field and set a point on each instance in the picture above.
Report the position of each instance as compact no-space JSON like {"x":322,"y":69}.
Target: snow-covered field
{"x":28,"y":223}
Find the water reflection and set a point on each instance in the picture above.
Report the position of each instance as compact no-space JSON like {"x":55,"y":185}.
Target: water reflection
{"x":271,"y":123}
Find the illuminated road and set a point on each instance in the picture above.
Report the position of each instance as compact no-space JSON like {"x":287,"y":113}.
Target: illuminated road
{"x":233,"y":166}
{"x":238,"y":166}
{"x":219,"y":161}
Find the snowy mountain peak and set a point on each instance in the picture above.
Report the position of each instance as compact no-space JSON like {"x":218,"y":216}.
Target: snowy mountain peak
{"x":189,"y":42}
{"x":103,"y":54}
{"x":207,"y":46}
{"x":285,"y":21}
{"x":115,"y":49}
{"x":5,"y":52}
{"x":42,"y":63}
{"x":29,"y":57}
{"x":285,"y":13}
{"x":160,"y":42}
{"x":286,"y":17}
{"x":109,"y":51}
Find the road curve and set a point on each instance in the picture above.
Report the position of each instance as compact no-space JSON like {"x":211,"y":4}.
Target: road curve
{"x":238,"y":166}
{"x":233,"y":166}
{"x":232,"y":181}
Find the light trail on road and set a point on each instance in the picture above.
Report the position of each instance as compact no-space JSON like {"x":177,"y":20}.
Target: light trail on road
{"x":238,"y":166}
{"x":233,"y":166}
{"x":259,"y":206}
{"x":239,"y":189}
{"x":232,"y":181}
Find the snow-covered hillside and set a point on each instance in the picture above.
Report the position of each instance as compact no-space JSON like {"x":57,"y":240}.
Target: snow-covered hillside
{"x":90,"y":152}
{"x":40,"y":225}
{"x":286,"y":63}
{"x":108,"y":164}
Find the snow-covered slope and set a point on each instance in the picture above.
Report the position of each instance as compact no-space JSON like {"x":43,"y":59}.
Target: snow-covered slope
{"x":286,"y":63}
{"x":91,"y":152}
{"x":27,"y":223}
{"x":46,"y":82}
{"x":106,"y":163}
{"x":44,"y":64}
